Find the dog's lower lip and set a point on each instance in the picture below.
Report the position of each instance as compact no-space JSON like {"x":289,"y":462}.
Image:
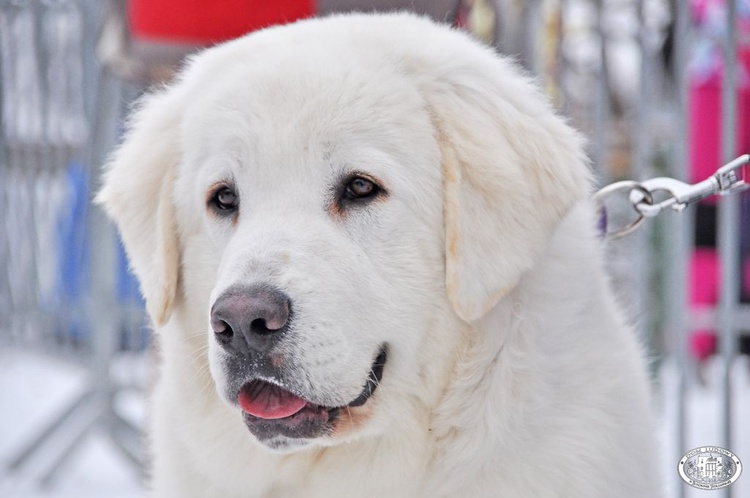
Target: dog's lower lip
{"x":373,"y":380}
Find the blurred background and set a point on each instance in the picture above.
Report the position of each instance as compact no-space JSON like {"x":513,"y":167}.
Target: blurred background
{"x":660,"y":88}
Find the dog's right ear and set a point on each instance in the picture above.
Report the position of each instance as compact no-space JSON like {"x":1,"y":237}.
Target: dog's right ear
{"x":512,"y":169}
{"x":137,"y":195}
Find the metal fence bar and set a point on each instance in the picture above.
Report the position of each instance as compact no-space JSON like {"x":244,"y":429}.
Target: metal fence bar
{"x":602,"y":115}
{"x":61,"y":420}
{"x":679,"y":231}
{"x":530,"y":12}
{"x":727,"y":236}
{"x":641,"y":149}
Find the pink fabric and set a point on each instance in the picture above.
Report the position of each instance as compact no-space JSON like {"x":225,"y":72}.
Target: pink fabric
{"x":703,"y":344}
{"x":704,"y":277}
{"x":705,"y":125}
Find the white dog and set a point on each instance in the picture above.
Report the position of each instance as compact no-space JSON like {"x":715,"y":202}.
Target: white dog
{"x":367,"y":247}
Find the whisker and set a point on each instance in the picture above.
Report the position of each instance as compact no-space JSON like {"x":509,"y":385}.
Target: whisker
{"x":375,"y":378}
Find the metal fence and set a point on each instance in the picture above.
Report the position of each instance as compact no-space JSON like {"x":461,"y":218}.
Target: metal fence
{"x":660,"y":87}
{"x":63,"y":292}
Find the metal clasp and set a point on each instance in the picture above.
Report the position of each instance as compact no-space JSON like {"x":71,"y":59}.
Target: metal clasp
{"x":730,"y":178}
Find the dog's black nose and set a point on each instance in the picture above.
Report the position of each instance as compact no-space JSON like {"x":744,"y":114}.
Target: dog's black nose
{"x":248,"y":319}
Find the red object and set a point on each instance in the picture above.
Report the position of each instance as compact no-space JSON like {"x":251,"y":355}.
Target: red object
{"x":705,"y":268}
{"x":705,"y":122}
{"x":703,"y":344}
{"x":205,"y":22}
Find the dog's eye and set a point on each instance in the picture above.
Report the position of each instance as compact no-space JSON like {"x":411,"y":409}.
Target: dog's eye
{"x":361,"y":188}
{"x":224,"y":201}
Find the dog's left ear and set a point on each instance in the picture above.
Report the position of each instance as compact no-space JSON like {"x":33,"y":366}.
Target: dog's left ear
{"x":137,"y":195}
{"x":512,"y":169}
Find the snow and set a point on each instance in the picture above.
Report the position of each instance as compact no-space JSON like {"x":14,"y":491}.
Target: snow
{"x":34,"y":388}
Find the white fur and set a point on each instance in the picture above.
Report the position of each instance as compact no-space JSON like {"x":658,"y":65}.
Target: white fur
{"x":511,"y":372}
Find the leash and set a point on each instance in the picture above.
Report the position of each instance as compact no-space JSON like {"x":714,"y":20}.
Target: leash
{"x":674,"y":194}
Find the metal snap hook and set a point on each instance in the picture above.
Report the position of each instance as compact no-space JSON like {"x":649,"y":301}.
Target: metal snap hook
{"x":618,"y":187}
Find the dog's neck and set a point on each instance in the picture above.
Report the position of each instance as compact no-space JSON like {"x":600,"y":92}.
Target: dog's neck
{"x":524,"y":329}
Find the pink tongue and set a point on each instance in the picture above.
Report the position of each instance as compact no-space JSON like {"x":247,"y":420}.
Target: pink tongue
{"x":264,"y":400}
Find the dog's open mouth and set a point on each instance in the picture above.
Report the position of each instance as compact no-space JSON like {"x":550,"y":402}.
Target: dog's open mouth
{"x":270,"y":410}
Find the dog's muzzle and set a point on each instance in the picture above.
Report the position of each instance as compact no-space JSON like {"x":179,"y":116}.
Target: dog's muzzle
{"x":248,"y":323}
{"x":272,"y":412}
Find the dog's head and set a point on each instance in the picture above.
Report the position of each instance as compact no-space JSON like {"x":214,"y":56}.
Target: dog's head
{"x":320,"y":194}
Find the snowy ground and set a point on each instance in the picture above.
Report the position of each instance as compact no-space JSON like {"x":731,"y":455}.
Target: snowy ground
{"x":33,"y":388}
